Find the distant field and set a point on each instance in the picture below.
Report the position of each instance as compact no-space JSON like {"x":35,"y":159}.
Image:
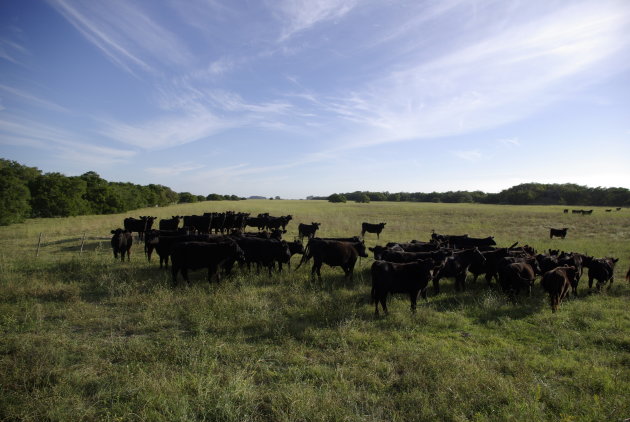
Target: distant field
{"x":85,"y":337}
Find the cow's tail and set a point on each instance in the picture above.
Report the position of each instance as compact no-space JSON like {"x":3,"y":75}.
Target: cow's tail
{"x":306,"y":256}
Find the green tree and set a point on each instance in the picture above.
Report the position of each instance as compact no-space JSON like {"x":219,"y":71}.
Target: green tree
{"x":55,"y":195}
{"x":364,"y":199}
{"x":14,"y":197}
{"x":336,"y":198}
{"x":187,"y":198}
{"x":215,"y":197}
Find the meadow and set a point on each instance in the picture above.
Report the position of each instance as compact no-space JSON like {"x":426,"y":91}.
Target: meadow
{"x":85,"y":337}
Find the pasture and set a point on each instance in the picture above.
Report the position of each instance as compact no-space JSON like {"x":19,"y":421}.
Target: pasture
{"x":85,"y":337}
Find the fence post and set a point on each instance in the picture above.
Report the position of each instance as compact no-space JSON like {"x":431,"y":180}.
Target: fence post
{"x":82,"y":242}
{"x":39,"y":242}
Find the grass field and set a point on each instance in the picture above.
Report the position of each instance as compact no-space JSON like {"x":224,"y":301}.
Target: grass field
{"x":85,"y":337}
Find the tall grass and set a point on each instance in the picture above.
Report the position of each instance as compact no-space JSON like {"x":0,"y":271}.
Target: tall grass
{"x":85,"y":337}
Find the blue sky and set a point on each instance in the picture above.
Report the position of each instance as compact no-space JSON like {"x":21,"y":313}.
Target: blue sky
{"x":297,"y":98}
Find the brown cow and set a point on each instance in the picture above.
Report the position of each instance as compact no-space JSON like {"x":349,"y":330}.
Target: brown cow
{"x":557,"y":283}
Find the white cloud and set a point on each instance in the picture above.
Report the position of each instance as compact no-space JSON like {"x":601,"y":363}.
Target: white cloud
{"x":510,"y":142}
{"x":174,"y":170}
{"x":31,"y":99}
{"x":472,"y":155}
{"x":304,"y":14}
{"x":492,"y":81}
{"x":16,"y":130}
{"x":127,"y":35}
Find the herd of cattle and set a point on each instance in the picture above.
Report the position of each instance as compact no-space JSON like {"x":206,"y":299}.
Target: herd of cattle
{"x":217,"y":241}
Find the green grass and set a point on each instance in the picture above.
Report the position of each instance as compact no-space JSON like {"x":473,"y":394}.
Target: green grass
{"x":85,"y":337}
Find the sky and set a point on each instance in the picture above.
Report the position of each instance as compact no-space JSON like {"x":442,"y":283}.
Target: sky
{"x":312,"y":97}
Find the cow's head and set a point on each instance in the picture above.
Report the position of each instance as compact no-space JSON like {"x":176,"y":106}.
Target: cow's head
{"x":360,"y":248}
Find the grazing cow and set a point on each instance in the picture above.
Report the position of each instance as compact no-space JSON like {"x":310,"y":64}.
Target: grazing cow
{"x":195,"y":255}
{"x":457,"y":266}
{"x":411,"y":278}
{"x":334,"y":254}
{"x":372,"y":228}
{"x":618,"y":209}
{"x":171,"y":223}
{"x":561,"y":233}
{"x":557,"y":283}
{"x":121,"y":243}
{"x":609,"y":210}
{"x":307,"y":230}
{"x":601,"y":270}
{"x":566,"y":211}
{"x":139,"y":226}
{"x":589,"y":212}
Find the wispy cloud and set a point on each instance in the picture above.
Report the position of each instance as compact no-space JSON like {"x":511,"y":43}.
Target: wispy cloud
{"x":31,"y":99}
{"x":301,"y":15}
{"x":12,"y":51}
{"x":514,"y":142}
{"x":16,"y":130}
{"x":174,"y":170}
{"x":490,"y":82}
{"x":472,"y":155}
{"x":166,"y":131}
{"x":127,"y":35}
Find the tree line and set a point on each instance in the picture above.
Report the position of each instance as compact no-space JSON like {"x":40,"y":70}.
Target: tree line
{"x":524,"y":194}
{"x":26,"y":192}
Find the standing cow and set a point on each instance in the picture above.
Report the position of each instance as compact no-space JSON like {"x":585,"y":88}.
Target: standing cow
{"x":121,"y":243}
{"x":557,"y":283}
{"x":333,"y":253}
{"x":411,"y":278}
{"x":307,"y":230}
{"x":561,"y":233}
{"x":372,"y":228}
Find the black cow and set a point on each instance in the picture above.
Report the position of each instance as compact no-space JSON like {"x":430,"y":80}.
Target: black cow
{"x":198,"y":223}
{"x":278,"y":222}
{"x":334,"y":254}
{"x":601,"y":270}
{"x":561,"y":233}
{"x":411,"y":278}
{"x":258,"y":222}
{"x":415,"y":246}
{"x":170,"y":223}
{"x":307,"y":230}
{"x":566,"y":211}
{"x":264,"y":252}
{"x":121,"y":243}
{"x":446,"y":238}
{"x":195,"y":255}
{"x":164,"y":243}
{"x":372,"y":228}
{"x":400,"y":257}
{"x":490,"y":266}
{"x":457,"y":266}
{"x":472,"y":242}
{"x":557,"y":283}
{"x":140,"y":226}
